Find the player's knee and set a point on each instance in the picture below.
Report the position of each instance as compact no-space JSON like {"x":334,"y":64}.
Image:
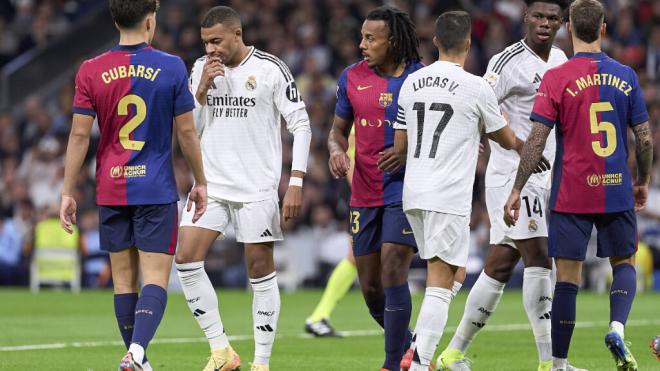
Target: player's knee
{"x":500,"y":271}
{"x":259,"y":268}
{"x":537,"y":261}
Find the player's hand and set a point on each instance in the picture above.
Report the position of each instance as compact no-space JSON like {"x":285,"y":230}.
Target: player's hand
{"x":199,"y":197}
{"x":391,"y":161}
{"x":339,"y":164}
{"x":543,"y":165}
{"x":68,"y":209}
{"x":212,"y":69}
{"x":292,"y":203}
{"x":512,"y":208}
{"x":641,"y":193}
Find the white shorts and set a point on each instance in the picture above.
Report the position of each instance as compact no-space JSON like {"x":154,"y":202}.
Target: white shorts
{"x":531,"y":221}
{"x":446,"y":236}
{"x":254,"y":222}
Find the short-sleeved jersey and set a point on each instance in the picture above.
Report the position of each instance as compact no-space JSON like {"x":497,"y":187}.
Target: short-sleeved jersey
{"x":135,"y":92}
{"x":444,"y":109}
{"x":515,"y":75}
{"x":240,"y":125}
{"x":592,"y":100}
{"x":370,"y":101}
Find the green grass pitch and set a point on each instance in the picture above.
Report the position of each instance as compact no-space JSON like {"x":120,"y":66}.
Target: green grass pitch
{"x":62,"y":331}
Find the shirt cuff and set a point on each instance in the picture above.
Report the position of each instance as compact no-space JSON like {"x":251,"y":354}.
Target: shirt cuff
{"x":542,"y":119}
{"x":84,"y":111}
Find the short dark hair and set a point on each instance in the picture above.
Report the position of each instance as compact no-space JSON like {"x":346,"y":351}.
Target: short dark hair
{"x":563,"y":4}
{"x":128,"y":13}
{"x":586,"y":17}
{"x":221,"y":14}
{"x":405,"y":44}
{"x":452,"y":28}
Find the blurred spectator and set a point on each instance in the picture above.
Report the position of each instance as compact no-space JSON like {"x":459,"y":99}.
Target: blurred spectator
{"x":95,"y":262}
{"x":11,"y":252}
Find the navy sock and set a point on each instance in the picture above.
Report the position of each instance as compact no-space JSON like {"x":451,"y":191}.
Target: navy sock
{"x":622,"y":292}
{"x":563,"y":318}
{"x":125,"y":314}
{"x":148,"y":313}
{"x":398,"y":307}
{"x":376,"y":305}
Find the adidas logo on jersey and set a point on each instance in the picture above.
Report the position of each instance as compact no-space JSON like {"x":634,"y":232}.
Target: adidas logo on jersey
{"x":266,"y":233}
{"x":265,"y":328}
{"x":537,"y":78}
{"x":546,"y":315}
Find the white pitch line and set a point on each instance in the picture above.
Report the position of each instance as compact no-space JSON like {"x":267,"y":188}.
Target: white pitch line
{"x":351,"y":333}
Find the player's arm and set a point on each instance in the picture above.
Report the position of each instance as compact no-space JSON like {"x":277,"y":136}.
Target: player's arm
{"x":190,"y":148}
{"x":400,"y":147}
{"x":339,"y":162}
{"x":351,"y":157}
{"x":297,"y":123}
{"x":644,"y":158}
{"x":81,"y":129}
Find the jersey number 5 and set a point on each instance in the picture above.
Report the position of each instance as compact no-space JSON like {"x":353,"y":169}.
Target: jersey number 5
{"x":132,"y":124}
{"x":607,"y":127}
{"x":420,"y":107}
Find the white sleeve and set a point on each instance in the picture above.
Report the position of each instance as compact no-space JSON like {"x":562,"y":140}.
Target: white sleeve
{"x":297,"y":123}
{"x":497,"y":77}
{"x":286,"y":95}
{"x":491,"y":116}
{"x":199,"y":112}
{"x":400,"y":123}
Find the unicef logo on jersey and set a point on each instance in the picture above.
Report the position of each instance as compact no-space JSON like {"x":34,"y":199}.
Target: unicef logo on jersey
{"x":251,"y":83}
{"x":128,"y":171}
{"x":610,"y":179}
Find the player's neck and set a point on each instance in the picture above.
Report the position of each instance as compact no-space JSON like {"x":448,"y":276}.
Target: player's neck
{"x":580,"y":46}
{"x":542,"y":51}
{"x":133,"y":38}
{"x":391,"y":69}
{"x":240,"y":54}
{"x":458,"y":59}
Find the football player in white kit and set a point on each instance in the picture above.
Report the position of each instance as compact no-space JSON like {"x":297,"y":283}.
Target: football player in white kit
{"x":442,"y":112}
{"x":515,"y":75}
{"x":241,"y":92}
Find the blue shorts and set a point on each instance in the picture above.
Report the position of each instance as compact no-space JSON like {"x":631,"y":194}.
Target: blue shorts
{"x":150,"y":228}
{"x":370,"y":227}
{"x":568,"y":234}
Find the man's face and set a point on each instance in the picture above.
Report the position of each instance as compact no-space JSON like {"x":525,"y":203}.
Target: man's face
{"x":221,"y":40}
{"x":542,"y":21}
{"x":375,"y":42}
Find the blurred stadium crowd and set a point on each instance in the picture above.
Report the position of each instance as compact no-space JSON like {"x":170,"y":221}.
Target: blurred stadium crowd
{"x":317,"y":39}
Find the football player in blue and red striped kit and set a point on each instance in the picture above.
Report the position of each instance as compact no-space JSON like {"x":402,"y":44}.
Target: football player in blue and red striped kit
{"x":136,"y":93}
{"x":592,"y":100}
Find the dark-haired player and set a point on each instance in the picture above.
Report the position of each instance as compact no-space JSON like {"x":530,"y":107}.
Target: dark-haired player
{"x":591,"y":101}
{"x":383,"y":242}
{"x":136,"y":93}
{"x":241,"y":93}
{"x":515,"y":75}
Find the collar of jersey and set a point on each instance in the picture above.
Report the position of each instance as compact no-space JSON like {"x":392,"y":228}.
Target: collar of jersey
{"x":599,"y":55}
{"x":130,"y":47}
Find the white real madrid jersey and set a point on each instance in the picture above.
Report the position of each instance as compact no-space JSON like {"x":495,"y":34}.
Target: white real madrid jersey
{"x":240,"y":126}
{"x":443,"y":108}
{"x":515,"y":75}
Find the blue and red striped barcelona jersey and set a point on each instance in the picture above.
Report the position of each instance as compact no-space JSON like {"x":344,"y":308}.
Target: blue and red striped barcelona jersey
{"x":135,"y":92}
{"x":370,"y":101}
{"x":592,"y":99}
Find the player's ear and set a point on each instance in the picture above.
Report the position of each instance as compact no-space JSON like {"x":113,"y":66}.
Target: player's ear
{"x":238,"y":32}
{"x":468,"y":43}
{"x":603,"y":30}
{"x":435,"y":42}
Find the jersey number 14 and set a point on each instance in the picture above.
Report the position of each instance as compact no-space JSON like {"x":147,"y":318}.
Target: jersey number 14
{"x":420,"y":107}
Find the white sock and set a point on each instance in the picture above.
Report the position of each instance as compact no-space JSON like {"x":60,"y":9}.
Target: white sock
{"x":203,"y":302}
{"x":481,"y":303}
{"x":618,"y":327}
{"x":146,"y":367}
{"x":455,"y":289}
{"x":137,"y":351}
{"x":559,"y":363}
{"x":537,"y":299}
{"x":431,"y":323}
{"x":265,"y":311}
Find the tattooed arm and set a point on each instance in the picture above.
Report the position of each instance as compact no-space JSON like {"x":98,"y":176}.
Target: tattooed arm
{"x":644,"y":157}
{"x":532,"y":153}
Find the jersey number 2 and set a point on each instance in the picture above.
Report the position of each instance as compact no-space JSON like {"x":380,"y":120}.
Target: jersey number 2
{"x":132,"y":124}
{"x":420,"y":107}
{"x":607,"y":127}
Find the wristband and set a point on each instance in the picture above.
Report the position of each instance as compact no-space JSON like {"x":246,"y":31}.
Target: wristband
{"x":296,"y":181}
